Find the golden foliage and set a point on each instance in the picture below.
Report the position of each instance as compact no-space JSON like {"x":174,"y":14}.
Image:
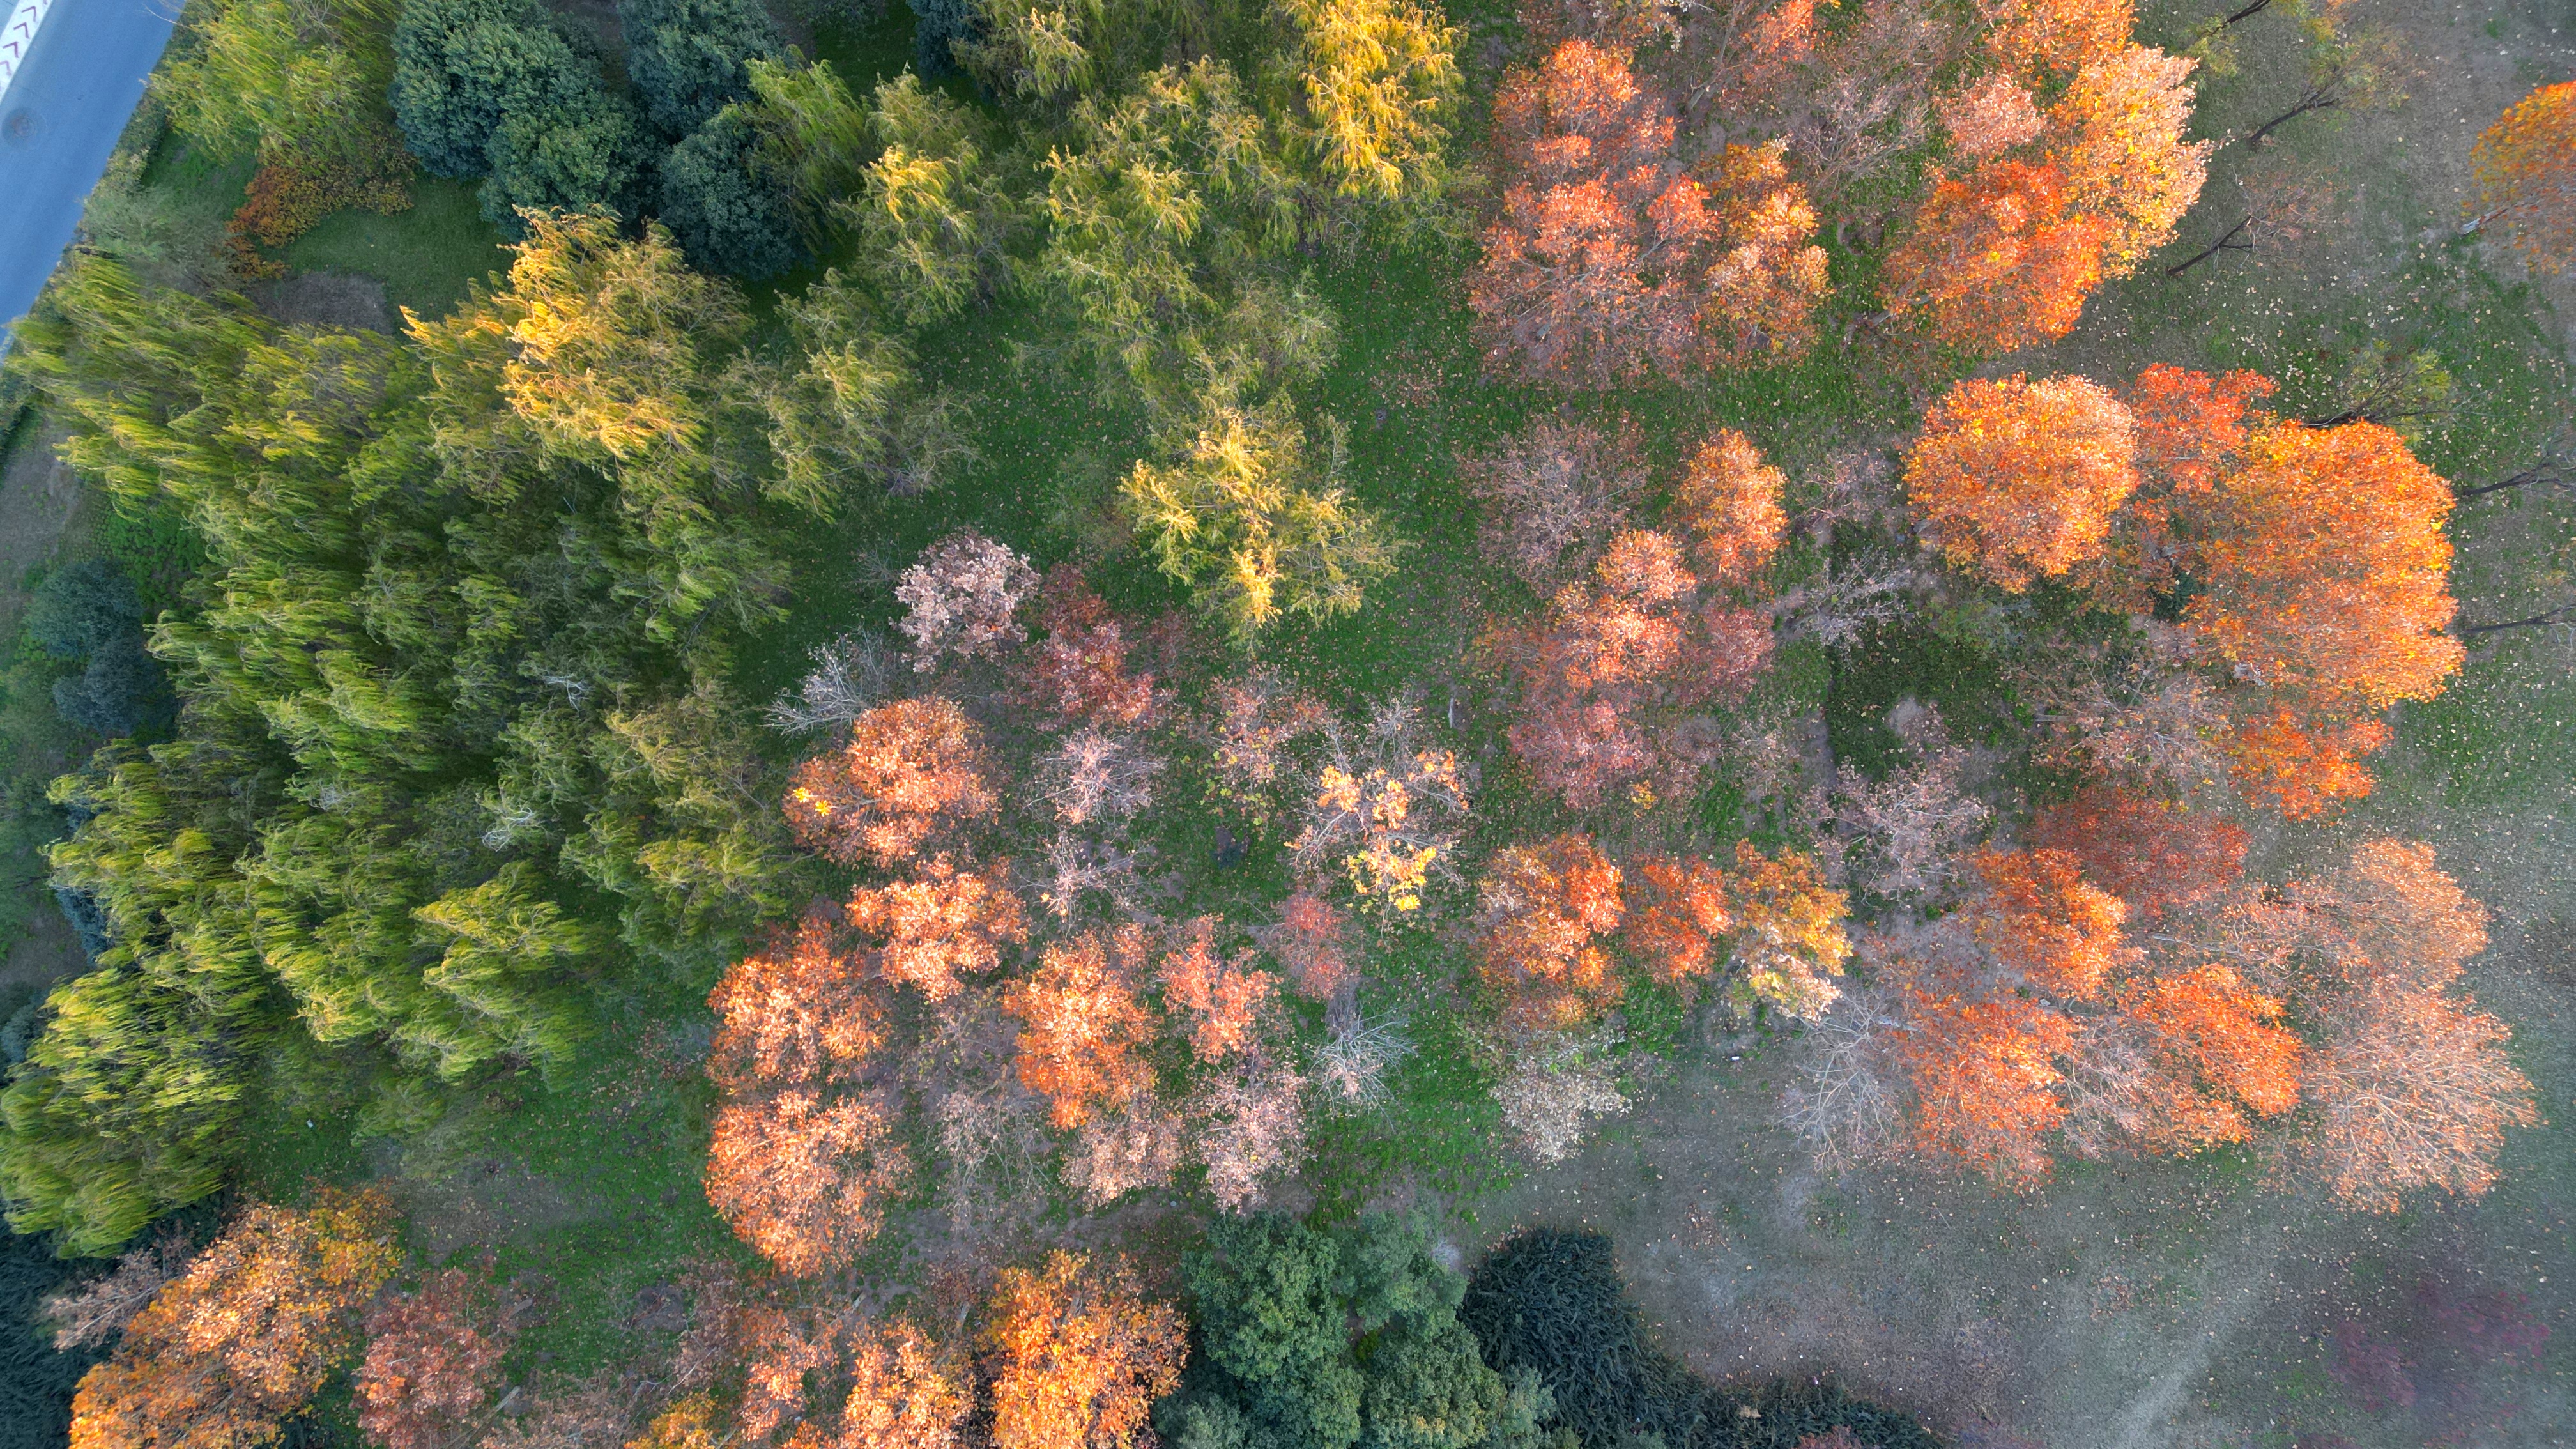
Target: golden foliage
{"x":2526,"y":166}
{"x":1080,"y":1355}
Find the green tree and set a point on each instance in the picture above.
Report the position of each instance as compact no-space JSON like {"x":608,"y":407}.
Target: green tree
{"x":718,"y":199}
{"x":689,"y":59}
{"x":813,"y":134}
{"x":932,"y":217}
{"x":276,"y":76}
{"x":1328,"y":1340}
{"x":460,"y":66}
{"x":571,"y":150}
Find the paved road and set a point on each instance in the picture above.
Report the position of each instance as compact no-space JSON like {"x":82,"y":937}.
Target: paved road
{"x":58,"y":123}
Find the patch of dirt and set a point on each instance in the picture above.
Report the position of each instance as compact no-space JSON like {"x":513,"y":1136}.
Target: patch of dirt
{"x":39,"y":496}
{"x":49,"y":952}
{"x":485,"y":1201}
{"x":327,"y":299}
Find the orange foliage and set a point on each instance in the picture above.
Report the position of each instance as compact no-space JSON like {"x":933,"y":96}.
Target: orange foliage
{"x":2192,"y":424}
{"x":803,"y":1177}
{"x":1543,"y":907}
{"x":2020,"y":479}
{"x":2412,"y":1090}
{"x":430,"y":1363}
{"x":262,"y":1318}
{"x":2155,"y":855}
{"x":913,"y":770}
{"x":2116,"y":136}
{"x":1223,"y":1000}
{"x":2526,"y":164}
{"x":2327,"y":568}
{"x":2043,"y":920}
{"x":946,"y":923}
{"x":1998,"y":261}
{"x":1082,"y":1025}
{"x":847,"y":1383}
{"x":1307,"y":940}
{"x":1789,"y":929}
{"x":1729,"y":503}
{"x":2210,"y":1026}
{"x":2303,"y":765}
{"x":1607,"y":261}
{"x":1677,"y":915}
{"x":2035,"y":39}
{"x":796,"y":1012}
{"x":1080,"y":1355}
{"x":2392,"y":915}
{"x":1078,"y":671}
{"x":1985,"y":1079}
{"x":1990,"y":117}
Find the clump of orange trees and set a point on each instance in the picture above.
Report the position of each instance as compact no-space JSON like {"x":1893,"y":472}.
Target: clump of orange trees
{"x":224,"y":1355}
{"x":2036,"y":1015}
{"x":2317,"y":557}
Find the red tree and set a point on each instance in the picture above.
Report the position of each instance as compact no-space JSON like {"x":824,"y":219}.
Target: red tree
{"x":1677,"y":916}
{"x":1222,"y":1000}
{"x":2045,"y":923}
{"x":2155,"y":855}
{"x":1308,"y":941}
{"x":1729,"y":505}
{"x":1544,"y":907}
{"x":432,"y":1359}
{"x":946,"y":923}
{"x":1077,"y":670}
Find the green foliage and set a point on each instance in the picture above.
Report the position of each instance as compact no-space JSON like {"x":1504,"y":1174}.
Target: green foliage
{"x":80,"y":607}
{"x":571,"y":150}
{"x":1257,"y":527}
{"x":272,"y":76}
{"x":939,"y":26}
{"x":813,"y":134}
{"x":452,"y":680}
{"x":688,"y":59}
{"x":1316,"y":1340}
{"x":461,"y":67}
{"x":718,"y":201}
{"x":1552,"y":1304}
{"x":932,"y":217}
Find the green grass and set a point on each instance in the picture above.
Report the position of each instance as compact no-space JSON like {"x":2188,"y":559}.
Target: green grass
{"x":424,"y":256}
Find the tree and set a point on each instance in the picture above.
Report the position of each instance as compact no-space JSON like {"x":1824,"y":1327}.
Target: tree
{"x":720,"y":204}
{"x":461,"y":67}
{"x":2033,"y":38}
{"x":1543,"y":906}
{"x":804,"y":1152}
{"x":913,"y":773}
{"x":1608,"y":663}
{"x":1555,"y":496}
{"x":1607,"y":260}
{"x":1984,"y":1077}
{"x":1677,"y":917}
{"x":2045,"y":923}
{"x":963,"y":598}
{"x":2116,"y":138}
{"x":1376,"y":84}
{"x":943,"y":924}
{"x":1254,"y":526}
{"x":1285,"y":1312}
{"x":1998,"y":260}
{"x":431,"y":1362}
{"x":1308,"y":940}
{"x":1081,"y":1025}
{"x":277,"y":77}
{"x":689,"y":59}
{"x":2021,"y":479}
{"x":2157,"y":856}
{"x":1077,"y":670}
{"x":576,"y":151}
{"x":1222,"y":1001}
{"x":1249,"y":1123}
{"x":225,"y":1355}
{"x":1383,"y":811}
{"x":1251,"y":722}
{"x":2413,"y":1090}
{"x":932,"y":217}
{"x":1081,"y":1355}
{"x":2526,"y":165}
{"x":814,"y":135}
{"x":1789,"y":931}
{"x":2208,"y":1050}
{"x":1728,"y":505}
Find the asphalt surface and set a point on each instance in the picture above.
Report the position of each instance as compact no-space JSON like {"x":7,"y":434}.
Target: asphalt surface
{"x":58,"y":123}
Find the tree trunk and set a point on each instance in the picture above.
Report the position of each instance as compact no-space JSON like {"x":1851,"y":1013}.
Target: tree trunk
{"x":2535,"y":621}
{"x":2320,"y":99}
{"x":2227,"y":243}
{"x":2254,"y":8}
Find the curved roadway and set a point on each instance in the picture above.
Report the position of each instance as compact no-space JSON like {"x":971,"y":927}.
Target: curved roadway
{"x":59,"y":121}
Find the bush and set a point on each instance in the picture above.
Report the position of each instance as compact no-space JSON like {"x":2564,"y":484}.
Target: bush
{"x":581,"y":151}
{"x":718,"y":200}
{"x":1552,"y":1304}
{"x":689,"y":59}
{"x":294,"y":190}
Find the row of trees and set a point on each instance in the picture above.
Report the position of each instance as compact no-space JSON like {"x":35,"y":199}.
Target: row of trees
{"x":1667,"y":169}
{"x":459,"y":648}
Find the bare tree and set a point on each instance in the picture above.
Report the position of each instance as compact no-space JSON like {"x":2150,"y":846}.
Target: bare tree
{"x":850,"y":675}
{"x":1845,"y":1101}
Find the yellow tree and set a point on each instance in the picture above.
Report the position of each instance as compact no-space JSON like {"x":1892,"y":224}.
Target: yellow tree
{"x":1378,"y":81}
{"x":2526,"y":165}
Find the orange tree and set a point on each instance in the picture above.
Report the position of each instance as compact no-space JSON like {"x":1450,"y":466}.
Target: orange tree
{"x":2526,"y":165}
